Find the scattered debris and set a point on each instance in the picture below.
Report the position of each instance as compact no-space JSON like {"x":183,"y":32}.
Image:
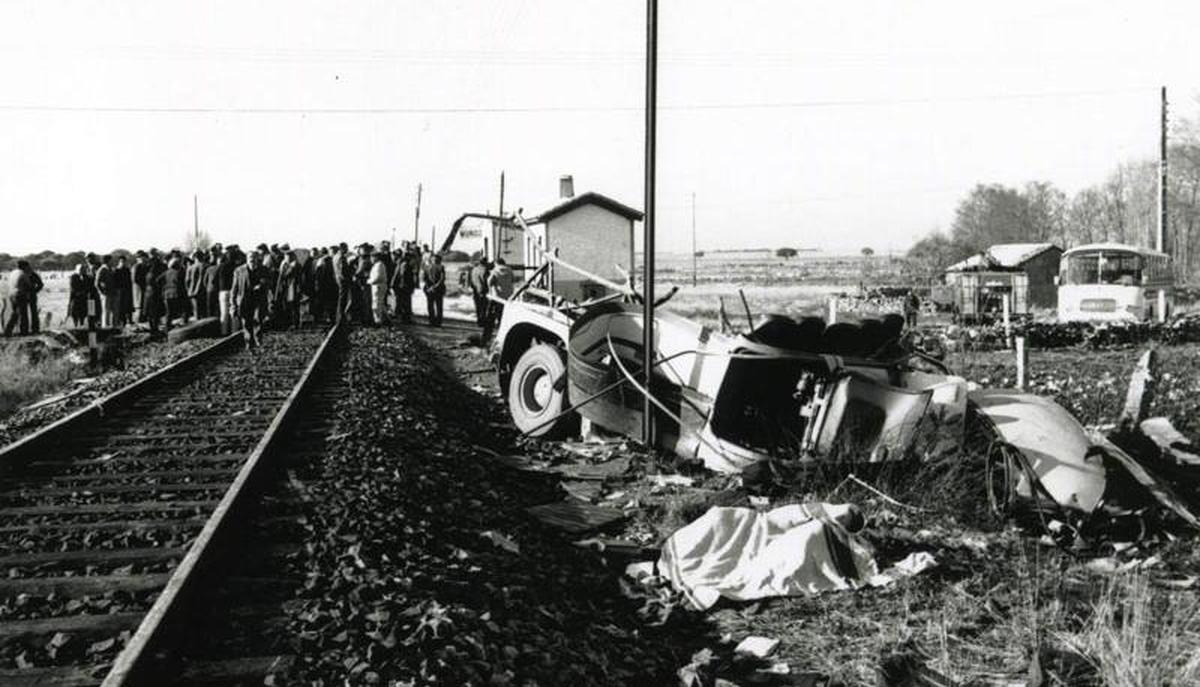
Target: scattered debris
{"x":1141,"y":391}
{"x":1155,"y":485}
{"x":594,"y":471}
{"x":912,"y":564}
{"x":758,"y":647}
{"x":575,"y":517}
{"x":501,"y":541}
{"x":663,"y":481}
{"x":586,"y":491}
{"x":618,"y":547}
{"x":1170,"y":441}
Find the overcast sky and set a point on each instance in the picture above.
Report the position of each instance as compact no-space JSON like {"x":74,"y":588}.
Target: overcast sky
{"x":825,"y":124}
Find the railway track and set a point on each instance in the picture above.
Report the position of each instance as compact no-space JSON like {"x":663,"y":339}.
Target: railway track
{"x":116,"y":521}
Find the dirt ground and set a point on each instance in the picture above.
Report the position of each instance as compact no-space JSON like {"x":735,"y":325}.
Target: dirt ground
{"x":999,"y":605}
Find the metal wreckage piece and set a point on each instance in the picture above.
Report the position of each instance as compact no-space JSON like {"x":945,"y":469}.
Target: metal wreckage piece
{"x":786,"y":389}
{"x":850,"y":393}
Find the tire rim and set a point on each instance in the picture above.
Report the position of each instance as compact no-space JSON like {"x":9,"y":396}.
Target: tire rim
{"x":536,"y":389}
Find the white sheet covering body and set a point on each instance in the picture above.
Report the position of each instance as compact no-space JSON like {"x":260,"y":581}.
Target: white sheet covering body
{"x":744,"y":554}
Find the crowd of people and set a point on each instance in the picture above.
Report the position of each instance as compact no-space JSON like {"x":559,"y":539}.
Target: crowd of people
{"x":276,"y":285}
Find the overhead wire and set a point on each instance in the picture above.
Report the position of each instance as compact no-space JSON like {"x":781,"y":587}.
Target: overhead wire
{"x":525,"y":109}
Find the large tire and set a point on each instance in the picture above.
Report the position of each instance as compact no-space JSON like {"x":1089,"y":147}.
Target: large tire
{"x":537,"y":391}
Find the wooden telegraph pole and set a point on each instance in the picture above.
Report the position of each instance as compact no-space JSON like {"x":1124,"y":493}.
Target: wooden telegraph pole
{"x":417,"y":220}
{"x":500,"y":235}
{"x":1160,"y":237}
{"x":648,"y":347}
{"x":693,"y":238}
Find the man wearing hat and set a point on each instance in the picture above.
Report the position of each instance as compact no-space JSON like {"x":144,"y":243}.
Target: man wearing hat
{"x":248,"y":296}
{"x":360,"y":296}
{"x":154,"y":305}
{"x":344,"y":279}
{"x":287,"y":290}
{"x":434,"y":279}
{"x":377,"y":282}
{"x":139,"y":284}
{"x":225,"y":288}
{"x":108,"y":296}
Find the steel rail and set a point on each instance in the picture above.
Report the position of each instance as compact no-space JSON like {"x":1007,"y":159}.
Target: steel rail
{"x":135,"y":665}
{"x":22,"y":450}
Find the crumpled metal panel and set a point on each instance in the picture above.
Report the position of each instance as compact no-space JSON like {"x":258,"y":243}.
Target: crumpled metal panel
{"x":1053,"y":442}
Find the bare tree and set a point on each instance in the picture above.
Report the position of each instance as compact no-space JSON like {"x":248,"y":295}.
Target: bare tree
{"x":198,"y":241}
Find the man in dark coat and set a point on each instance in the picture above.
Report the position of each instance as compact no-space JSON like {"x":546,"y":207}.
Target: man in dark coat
{"x":287,"y":291}
{"x":194,"y":280}
{"x":434,"y":280}
{"x":249,"y":294}
{"x":175,"y":292}
{"x":361,"y":295}
{"x":122,"y":281}
{"x":404,"y":283}
{"x":325,"y":290}
{"x":345,"y":281}
{"x":225,"y":269}
{"x":212,"y":290}
{"x":153,"y":305}
{"x":20,"y":288}
{"x":308,"y":281}
{"x":141,"y":270}
{"x":35,"y":280}
{"x":478,"y":280}
{"x":80,"y":295}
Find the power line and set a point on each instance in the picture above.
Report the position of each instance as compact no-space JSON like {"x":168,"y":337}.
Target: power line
{"x":531,"y":109}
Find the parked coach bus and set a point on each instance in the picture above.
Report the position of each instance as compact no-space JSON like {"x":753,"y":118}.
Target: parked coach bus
{"x":1112,"y":281}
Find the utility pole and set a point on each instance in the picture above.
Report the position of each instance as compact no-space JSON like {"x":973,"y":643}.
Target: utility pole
{"x":195,"y":222}
{"x":433,"y":238}
{"x":417,"y":221}
{"x":693,"y":239}
{"x":1160,"y":238}
{"x":500,"y":235}
{"x":648,"y":347}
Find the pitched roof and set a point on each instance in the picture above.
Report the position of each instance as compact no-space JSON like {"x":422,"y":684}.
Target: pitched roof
{"x":589,"y":198}
{"x":1002,"y":255}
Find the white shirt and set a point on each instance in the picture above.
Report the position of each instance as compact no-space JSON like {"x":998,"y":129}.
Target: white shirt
{"x":378,"y":276}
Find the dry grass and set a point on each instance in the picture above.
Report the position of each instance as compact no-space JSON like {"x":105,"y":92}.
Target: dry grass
{"x":1138,"y":635}
{"x":25,"y":381}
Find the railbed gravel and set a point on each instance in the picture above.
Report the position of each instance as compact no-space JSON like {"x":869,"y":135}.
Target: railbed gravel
{"x":403,"y":587}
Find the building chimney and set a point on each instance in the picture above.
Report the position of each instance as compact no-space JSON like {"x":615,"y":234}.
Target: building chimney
{"x":566,"y":186}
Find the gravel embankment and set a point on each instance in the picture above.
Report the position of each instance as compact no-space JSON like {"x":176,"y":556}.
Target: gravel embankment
{"x":407,"y":577}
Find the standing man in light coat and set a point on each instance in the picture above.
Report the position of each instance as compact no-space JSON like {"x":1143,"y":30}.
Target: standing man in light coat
{"x":109,"y":302}
{"x":378,"y":282}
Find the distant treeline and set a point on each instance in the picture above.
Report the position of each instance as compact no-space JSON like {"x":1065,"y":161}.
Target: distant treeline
{"x":1123,"y":208}
{"x":50,"y":261}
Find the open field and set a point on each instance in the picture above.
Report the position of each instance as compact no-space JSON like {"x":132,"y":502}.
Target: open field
{"x":25,"y":381}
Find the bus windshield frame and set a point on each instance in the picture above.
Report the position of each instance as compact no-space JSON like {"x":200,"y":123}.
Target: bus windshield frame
{"x":1103,"y":267}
